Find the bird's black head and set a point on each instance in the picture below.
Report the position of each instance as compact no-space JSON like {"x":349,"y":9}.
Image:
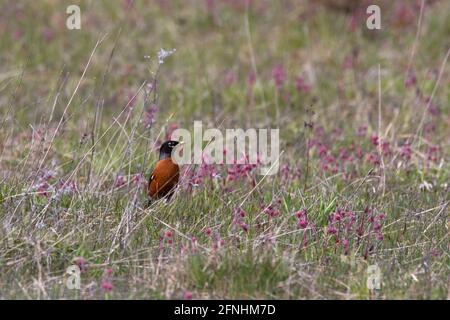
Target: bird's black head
{"x":166,"y":149}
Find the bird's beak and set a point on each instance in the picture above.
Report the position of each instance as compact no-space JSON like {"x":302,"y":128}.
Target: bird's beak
{"x":179,"y":145}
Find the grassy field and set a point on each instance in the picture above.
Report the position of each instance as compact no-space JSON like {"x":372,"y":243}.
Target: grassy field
{"x":363,"y":180}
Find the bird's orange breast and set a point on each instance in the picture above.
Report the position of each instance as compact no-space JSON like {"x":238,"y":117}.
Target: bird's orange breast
{"x":164,"y":178}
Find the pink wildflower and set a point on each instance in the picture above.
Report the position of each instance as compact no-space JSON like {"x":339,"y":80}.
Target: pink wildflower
{"x":187,"y":295}
{"x":279,"y":76}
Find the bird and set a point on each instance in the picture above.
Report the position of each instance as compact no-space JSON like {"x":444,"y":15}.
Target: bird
{"x":165,"y":175}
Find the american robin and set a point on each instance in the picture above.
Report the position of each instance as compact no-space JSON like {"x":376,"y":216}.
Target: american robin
{"x":165,"y":175}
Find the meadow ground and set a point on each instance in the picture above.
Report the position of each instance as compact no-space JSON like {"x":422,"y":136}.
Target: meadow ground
{"x":364,"y":121}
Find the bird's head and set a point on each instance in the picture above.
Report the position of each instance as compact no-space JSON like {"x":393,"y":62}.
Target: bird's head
{"x":165,"y":151}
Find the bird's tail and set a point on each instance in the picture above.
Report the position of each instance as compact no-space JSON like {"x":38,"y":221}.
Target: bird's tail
{"x":148,"y":203}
